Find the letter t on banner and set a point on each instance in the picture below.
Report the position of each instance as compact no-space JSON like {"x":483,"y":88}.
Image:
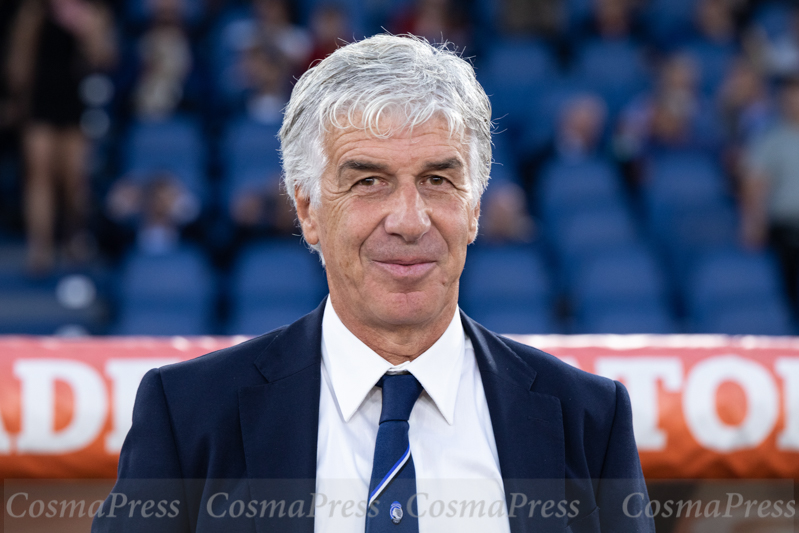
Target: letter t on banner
{"x":641,"y":375}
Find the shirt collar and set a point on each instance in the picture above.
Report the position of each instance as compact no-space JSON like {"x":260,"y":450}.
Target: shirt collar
{"x":354,"y":368}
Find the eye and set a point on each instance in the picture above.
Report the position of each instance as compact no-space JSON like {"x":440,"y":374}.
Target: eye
{"x":367,"y":182}
{"x":436,"y":180}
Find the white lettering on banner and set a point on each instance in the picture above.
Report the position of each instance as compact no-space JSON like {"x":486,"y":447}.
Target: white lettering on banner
{"x":5,"y":439}
{"x":90,"y":406}
{"x":699,"y":403}
{"x":641,"y":375}
{"x":788,"y":370}
{"x":126,"y":375}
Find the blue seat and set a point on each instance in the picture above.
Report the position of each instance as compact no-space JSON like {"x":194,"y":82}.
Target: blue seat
{"x":614,"y":69}
{"x":516,"y":319}
{"x":173,"y":145}
{"x":566,"y":186}
{"x":273,"y":284}
{"x":259,"y":319}
{"x":713,"y":60}
{"x":757,"y":318}
{"x":628,"y":319}
{"x":731,"y":277}
{"x":687,"y":231}
{"x":586,"y":233}
{"x":155,"y":321}
{"x":630,"y":276}
{"x":513,"y":74}
{"x":504,"y":275}
{"x":684,"y":179}
{"x":669,"y":21}
{"x":180,"y":280}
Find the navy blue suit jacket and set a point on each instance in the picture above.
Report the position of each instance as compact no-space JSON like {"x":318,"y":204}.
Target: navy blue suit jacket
{"x":231,"y":420}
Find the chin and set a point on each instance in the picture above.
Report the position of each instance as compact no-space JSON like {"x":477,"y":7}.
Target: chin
{"x":409,"y":308}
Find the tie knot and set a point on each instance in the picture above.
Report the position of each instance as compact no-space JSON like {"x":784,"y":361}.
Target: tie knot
{"x":400,"y":392}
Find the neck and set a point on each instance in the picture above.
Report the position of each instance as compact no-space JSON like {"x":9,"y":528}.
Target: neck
{"x":398,"y":344}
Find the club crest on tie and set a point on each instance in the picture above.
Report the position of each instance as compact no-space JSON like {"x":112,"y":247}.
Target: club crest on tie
{"x":395,"y":512}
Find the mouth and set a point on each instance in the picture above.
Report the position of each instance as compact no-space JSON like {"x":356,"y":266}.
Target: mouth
{"x":406,"y":269}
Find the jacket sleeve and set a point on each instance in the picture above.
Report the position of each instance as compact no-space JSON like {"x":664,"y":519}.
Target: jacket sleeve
{"x":622,"y":495}
{"x":149,"y":471}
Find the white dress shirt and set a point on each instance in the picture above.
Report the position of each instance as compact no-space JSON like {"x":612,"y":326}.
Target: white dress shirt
{"x":458,"y":480}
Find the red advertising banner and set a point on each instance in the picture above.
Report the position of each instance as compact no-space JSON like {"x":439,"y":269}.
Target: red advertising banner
{"x":703,"y":406}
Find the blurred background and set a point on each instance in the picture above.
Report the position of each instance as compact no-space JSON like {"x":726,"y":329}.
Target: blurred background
{"x":646,"y":176}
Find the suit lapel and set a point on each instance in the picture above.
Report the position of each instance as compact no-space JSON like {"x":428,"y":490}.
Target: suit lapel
{"x":528,"y":429}
{"x":280,"y":421}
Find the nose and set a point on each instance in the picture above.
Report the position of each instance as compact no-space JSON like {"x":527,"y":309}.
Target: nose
{"x":408,"y":216}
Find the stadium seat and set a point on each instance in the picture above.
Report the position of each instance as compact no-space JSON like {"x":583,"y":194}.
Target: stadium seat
{"x":683,"y":179}
{"x":586,"y":233}
{"x":272,"y":284}
{"x":613,"y":69}
{"x":520,"y":319}
{"x":566,"y":186}
{"x":532,"y":67}
{"x":629,"y":276}
{"x":168,"y":294}
{"x":756,"y":318}
{"x":173,"y":145}
{"x":249,"y":154}
{"x":504,"y":275}
{"x":713,"y":61}
{"x":731,"y":278}
{"x":627,"y":319}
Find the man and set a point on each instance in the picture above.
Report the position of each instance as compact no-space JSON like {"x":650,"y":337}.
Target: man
{"x":386,"y":409}
{"x":770,"y":192}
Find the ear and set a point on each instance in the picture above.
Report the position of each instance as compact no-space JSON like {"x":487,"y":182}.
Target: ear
{"x":307,"y":216}
{"x":473,"y":222}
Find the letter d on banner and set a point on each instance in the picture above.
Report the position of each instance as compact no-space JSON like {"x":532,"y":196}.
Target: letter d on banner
{"x":90,"y":407}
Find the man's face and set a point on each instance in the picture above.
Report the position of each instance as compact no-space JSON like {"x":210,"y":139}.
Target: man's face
{"x":394,"y":221}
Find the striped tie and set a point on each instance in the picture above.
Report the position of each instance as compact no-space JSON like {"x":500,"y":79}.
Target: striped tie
{"x":393,"y":475}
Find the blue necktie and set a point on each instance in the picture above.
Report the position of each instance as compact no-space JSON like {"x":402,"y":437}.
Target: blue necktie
{"x":393,"y":475}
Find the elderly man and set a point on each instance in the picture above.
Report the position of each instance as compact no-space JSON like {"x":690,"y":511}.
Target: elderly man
{"x":386,"y":409}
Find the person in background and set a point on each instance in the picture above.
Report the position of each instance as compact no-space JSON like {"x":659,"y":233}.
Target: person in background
{"x":577,"y":137}
{"x":330,"y":30}
{"x":267,"y":83}
{"x":435,"y":20}
{"x":770,"y":190}
{"x":166,"y":61}
{"x":55,"y":43}
{"x":153,"y":210}
{"x":506,"y":219}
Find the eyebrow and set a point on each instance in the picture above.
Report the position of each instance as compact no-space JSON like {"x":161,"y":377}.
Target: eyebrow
{"x":362,"y":166}
{"x":453,"y":163}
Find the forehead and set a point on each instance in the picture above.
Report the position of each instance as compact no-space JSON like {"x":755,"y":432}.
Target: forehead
{"x":391,"y":140}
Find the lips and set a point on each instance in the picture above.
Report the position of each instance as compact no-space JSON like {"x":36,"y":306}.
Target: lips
{"x":406,"y":268}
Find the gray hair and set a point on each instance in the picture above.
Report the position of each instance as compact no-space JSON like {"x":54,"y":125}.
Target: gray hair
{"x":359,"y":84}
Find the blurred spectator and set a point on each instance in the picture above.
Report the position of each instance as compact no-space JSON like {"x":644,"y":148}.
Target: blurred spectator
{"x":715,"y":22}
{"x":744,"y":102}
{"x":612,"y":20}
{"x":267,"y":84}
{"x":436,"y":21}
{"x":275,"y":29}
{"x":770,"y":190}
{"x":505,"y":218}
{"x":154,"y":210}
{"x":714,"y":46}
{"x":673,"y":116}
{"x":777,"y":55}
{"x":166,"y":61}
{"x":261,"y":210}
{"x":532,"y":17}
{"x":330,"y":29}
{"x":55,"y":44}
{"x":578,"y":136}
